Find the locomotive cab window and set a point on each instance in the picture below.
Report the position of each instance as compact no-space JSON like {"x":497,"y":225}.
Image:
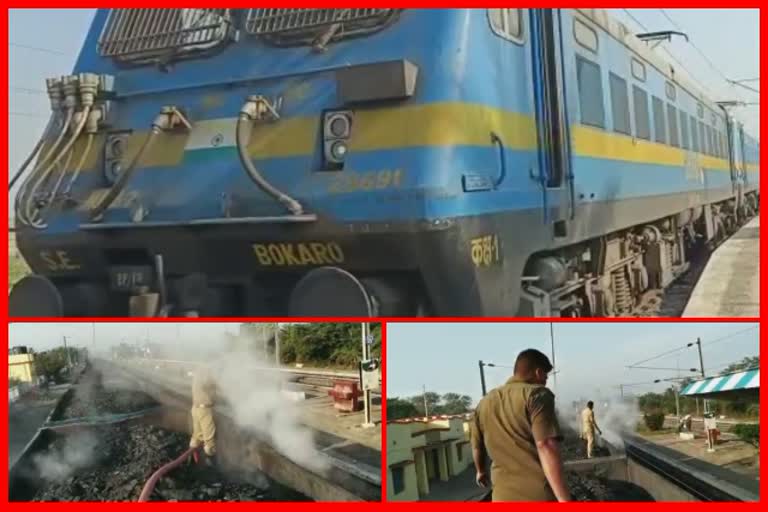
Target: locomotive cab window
{"x":142,"y":35}
{"x":590,"y":93}
{"x":508,"y":23}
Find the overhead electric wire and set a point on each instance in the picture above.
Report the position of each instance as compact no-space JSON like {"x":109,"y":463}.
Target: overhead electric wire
{"x":729,"y":336}
{"x":35,"y":48}
{"x":671,"y":55}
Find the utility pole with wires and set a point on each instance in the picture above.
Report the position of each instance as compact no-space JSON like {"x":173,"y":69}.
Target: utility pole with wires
{"x":424,"y":396}
{"x":552,"y":341}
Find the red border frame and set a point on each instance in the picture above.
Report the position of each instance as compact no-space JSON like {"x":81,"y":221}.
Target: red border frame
{"x":371,"y":506}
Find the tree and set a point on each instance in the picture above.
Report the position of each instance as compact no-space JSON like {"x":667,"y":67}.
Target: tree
{"x":398,"y":408}
{"x":326,"y":344}
{"x":432,"y":400}
{"x":52,"y":363}
{"x":748,"y":363}
{"x":454,"y":403}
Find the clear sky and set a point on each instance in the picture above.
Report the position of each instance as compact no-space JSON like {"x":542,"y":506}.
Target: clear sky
{"x":43,"y":336}
{"x":591,"y":358}
{"x":729,"y":38}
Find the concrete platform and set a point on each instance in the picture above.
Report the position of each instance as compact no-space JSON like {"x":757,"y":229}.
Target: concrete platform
{"x":26,"y":416}
{"x":730,"y":452}
{"x":730,"y":285}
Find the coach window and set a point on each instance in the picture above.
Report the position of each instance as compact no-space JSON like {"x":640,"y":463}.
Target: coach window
{"x":590,"y":93}
{"x":642,"y":116}
{"x":671,"y":92}
{"x":674,"y":134}
{"x":700,"y":110}
{"x":703,"y":138}
{"x":684,"y":130}
{"x":585,"y":35}
{"x":638,"y":70}
{"x":694,"y":135}
{"x":620,"y":105}
{"x":659,"y":123}
{"x":710,"y":141}
{"x":723,"y":149}
{"x":507,"y":23}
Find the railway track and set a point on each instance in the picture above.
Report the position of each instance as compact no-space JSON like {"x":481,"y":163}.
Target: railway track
{"x":313,"y":380}
{"x":672,"y":301}
{"x":700,"y":480}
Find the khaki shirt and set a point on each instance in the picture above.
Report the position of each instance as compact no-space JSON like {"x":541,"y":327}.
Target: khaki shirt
{"x":508,"y":422}
{"x":588,"y":423}
{"x":203,"y":388}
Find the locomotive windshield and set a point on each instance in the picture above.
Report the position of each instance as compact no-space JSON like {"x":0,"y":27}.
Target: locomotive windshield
{"x":143,"y":35}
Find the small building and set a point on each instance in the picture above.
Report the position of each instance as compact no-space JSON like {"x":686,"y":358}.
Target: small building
{"x":741,"y":385}
{"x":21,"y":365}
{"x":423,"y":450}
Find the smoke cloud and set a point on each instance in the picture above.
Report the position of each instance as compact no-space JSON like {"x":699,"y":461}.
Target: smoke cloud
{"x":60,"y":462}
{"x":258,"y":404}
{"x":614,"y":417}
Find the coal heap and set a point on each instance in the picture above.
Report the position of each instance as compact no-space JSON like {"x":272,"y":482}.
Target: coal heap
{"x":124,"y":458}
{"x":112,"y":463}
{"x":585,"y":487}
{"x":92,"y":399}
{"x":574,"y":448}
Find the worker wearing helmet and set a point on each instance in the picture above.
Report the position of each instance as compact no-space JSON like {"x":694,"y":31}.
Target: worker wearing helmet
{"x":203,"y":426}
{"x":588,"y":427}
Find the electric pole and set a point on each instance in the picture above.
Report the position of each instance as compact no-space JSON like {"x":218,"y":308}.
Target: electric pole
{"x":482,"y":376}
{"x":424,"y":396}
{"x":367,"y":402}
{"x":69,"y":358}
{"x":703,"y":376}
{"x":552,"y":341}
{"x":701,"y":358}
{"x":277,"y":345}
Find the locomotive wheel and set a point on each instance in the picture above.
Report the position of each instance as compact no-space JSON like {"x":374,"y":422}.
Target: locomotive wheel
{"x":35,"y":296}
{"x":330,"y":291}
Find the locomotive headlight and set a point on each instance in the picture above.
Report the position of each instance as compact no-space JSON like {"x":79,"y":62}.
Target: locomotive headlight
{"x":337,"y":128}
{"x":339,"y":150}
{"x":338,"y":125}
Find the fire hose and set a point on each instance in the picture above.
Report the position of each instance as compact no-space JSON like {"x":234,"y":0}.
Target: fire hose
{"x":146,"y":492}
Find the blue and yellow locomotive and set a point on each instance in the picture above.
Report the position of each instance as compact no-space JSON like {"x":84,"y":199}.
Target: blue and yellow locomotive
{"x":393,"y":162}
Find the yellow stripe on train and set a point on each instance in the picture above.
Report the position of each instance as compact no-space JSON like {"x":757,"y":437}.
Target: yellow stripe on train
{"x":431,"y":125}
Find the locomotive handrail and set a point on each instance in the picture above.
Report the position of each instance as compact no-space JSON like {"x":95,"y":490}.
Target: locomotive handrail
{"x":279,"y":219}
{"x":495,"y":139}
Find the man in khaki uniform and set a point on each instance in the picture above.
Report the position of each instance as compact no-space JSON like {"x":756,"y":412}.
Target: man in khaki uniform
{"x":516,"y":426}
{"x":588,"y":427}
{"x":203,"y":426}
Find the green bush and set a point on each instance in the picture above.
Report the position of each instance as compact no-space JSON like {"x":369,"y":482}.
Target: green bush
{"x":654,"y":421}
{"x":749,"y":433}
{"x":325,"y":344}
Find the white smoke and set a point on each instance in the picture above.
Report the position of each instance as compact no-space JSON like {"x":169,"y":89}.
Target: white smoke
{"x":614,"y":417}
{"x":258,"y":405}
{"x":60,"y":462}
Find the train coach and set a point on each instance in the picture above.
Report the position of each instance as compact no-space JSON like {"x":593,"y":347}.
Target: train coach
{"x":389,"y":162}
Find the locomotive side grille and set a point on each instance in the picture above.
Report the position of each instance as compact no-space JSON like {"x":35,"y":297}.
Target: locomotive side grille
{"x":277,"y":21}
{"x":137,"y":34}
